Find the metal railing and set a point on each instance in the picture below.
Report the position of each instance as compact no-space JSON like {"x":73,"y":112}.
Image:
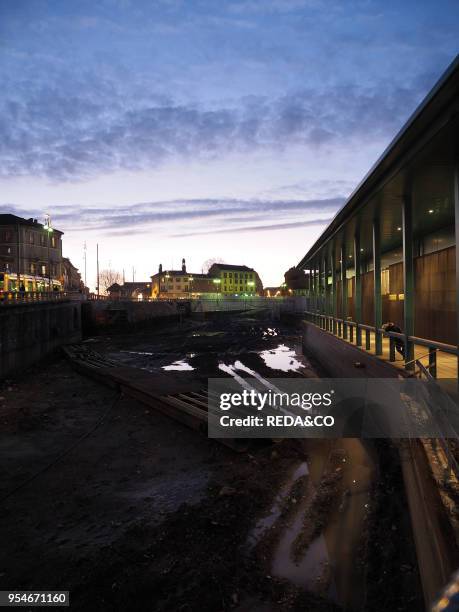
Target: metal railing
{"x":11,"y":298}
{"x":361,"y":335}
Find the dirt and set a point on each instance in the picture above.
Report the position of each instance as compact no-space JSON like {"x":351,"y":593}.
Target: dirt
{"x":129,"y":510}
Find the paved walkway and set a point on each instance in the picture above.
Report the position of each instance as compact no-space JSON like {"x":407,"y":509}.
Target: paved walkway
{"x":447,"y":365}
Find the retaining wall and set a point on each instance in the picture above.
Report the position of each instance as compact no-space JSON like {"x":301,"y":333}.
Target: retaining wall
{"x":28,"y":332}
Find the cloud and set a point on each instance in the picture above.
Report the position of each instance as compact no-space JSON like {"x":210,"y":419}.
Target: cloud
{"x":139,"y":217}
{"x":257,"y":228}
{"x":92,"y":128}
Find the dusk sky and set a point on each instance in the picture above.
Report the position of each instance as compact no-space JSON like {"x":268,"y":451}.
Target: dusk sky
{"x":202,"y":129}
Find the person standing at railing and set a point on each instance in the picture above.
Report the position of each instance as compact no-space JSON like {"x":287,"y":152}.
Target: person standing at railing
{"x":399,"y":344}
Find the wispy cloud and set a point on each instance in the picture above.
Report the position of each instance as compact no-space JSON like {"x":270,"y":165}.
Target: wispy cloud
{"x":257,"y":228}
{"x":140,"y":217}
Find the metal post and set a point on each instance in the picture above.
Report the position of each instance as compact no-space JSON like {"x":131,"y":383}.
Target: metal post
{"x":334,"y":295}
{"x":408,"y":279}
{"x":323,"y":267}
{"x":97,"y":257}
{"x":377,"y":285}
{"x":344,"y":289}
{"x":433,"y":361}
{"x":367,"y":339}
{"x":456,"y":216}
{"x":358,"y":289}
{"x":391,"y":349}
{"x":18,"y":270}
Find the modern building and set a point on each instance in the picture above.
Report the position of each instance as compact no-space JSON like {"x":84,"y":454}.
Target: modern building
{"x":390,"y":254}
{"x":30,"y":255}
{"x":180,"y":284}
{"x":235,"y":280}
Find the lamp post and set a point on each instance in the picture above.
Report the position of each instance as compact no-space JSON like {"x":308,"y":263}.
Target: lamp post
{"x":49,"y":231}
{"x":217,"y":282}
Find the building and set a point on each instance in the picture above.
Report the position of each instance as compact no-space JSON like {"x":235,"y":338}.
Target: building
{"x":30,"y":255}
{"x":235,"y":280}
{"x":390,"y":253}
{"x":136,"y":290}
{"x":180,"y":284}
{"x":295,"y":282}
{"x":71,"y":277}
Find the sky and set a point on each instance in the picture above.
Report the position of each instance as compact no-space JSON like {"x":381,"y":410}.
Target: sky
{"x":232,"y":130}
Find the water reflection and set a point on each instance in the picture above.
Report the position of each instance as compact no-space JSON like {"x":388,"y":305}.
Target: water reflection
{"x":180,"y":365}
{"x":281,"y":358}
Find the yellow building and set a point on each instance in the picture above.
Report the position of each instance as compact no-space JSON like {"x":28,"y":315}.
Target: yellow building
{"x":235,"y":280}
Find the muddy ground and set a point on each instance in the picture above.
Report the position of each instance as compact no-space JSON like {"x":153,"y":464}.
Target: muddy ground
{"x":129,"y":510}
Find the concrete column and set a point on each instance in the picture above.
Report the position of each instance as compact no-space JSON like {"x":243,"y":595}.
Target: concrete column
{"x":377,"y":285}
{"x":408,"y":278}
{"x":327,"y":290}
{"x":344,"y":290}
{"x":323,"y":267}
{"x":456,"y":217}
{"x":358,"y":288}
{"x":334,"y":305}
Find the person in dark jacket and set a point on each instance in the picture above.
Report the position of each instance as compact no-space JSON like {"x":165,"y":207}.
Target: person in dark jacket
{"x":399,"y":344}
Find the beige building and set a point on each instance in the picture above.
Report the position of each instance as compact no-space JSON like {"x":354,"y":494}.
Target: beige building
{"x":30,"y":255}
{"x":180,"y":284}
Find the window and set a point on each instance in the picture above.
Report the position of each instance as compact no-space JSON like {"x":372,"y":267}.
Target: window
{"x":43,"y":269}
{"x":53,"y":242}
{"x":224,"y":274}
{"x":31,"y":238}
{"x":32,"y":268}
{"x":230,"y":274}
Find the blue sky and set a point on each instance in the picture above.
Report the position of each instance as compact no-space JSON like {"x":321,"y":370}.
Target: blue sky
{"x":201,"y":129}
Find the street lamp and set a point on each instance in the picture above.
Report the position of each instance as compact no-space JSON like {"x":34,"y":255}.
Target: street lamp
{"x":49,"y":230}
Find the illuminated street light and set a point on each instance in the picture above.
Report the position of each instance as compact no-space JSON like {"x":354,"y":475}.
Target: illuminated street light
{"x":47,"y":227}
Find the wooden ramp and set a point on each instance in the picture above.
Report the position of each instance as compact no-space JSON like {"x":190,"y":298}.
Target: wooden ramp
{"x":180,"y":398}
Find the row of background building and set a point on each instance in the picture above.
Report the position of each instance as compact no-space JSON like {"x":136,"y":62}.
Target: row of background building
{"x":31,"y":260}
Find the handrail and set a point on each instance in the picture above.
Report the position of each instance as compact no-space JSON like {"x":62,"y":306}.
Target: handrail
{"x":419,"y":358}
{"x":440,"y":346}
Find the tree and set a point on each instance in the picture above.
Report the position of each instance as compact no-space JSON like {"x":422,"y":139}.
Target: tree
{"x":107,"y":278}
{"x":210,"y":262}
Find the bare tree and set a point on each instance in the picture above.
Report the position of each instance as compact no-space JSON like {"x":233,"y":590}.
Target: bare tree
{"x":210,"y":262}
{"x":107,"y":278}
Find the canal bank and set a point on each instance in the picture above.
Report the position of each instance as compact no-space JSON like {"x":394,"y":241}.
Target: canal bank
{"x":130,"y":504}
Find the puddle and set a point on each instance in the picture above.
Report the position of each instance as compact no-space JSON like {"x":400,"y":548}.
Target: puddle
{"x":180,"y":365}
{"x":268,"y":521}
{"x":282,"y":358}
{"x":323,"y":567}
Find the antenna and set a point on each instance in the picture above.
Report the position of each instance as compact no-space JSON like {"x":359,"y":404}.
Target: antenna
{"x":84,"y":250}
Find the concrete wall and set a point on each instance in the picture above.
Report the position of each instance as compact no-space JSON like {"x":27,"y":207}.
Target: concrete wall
{"x":339,"y":359}
{"x":28,"y":332}
{"x":118,"y":313}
